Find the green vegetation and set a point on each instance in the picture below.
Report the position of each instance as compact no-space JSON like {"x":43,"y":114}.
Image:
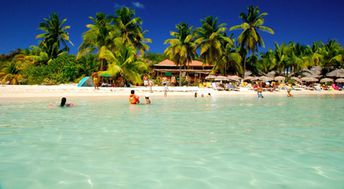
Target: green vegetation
{"x":115,"y":45}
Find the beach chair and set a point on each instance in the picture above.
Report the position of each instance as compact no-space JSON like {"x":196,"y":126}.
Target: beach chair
{"x":216,"y":87}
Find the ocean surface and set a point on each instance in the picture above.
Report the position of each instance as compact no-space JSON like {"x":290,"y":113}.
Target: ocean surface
{"x":176,"y":142}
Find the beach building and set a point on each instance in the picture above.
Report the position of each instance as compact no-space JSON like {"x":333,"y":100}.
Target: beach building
{"x":194,"y":70}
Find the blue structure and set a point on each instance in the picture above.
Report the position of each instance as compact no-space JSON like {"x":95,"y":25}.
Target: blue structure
{"x":86,"y":82}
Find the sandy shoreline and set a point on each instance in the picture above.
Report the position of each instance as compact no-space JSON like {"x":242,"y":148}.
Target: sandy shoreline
{"x":71,"y":90}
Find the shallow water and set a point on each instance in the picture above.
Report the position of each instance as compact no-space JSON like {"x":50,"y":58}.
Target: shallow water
{"x":177,"y":142}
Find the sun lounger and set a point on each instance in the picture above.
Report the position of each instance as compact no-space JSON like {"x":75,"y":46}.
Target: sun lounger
{"x":216,"y":87}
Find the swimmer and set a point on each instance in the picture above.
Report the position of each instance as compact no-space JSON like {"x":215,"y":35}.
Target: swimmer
{"x":64,"y":103}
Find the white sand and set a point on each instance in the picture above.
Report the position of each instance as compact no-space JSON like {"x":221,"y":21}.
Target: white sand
{"x":71,"y":90}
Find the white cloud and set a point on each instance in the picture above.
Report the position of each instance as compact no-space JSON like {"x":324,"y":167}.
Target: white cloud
{"x":138,"y":5}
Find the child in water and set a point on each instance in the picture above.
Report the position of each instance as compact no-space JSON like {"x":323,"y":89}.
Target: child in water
{"x":134,"y":99}
{"x":148,"y":101}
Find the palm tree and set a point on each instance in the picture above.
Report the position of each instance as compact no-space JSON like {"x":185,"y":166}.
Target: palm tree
{"x":249,"y":39}
{"x":130,"y":29}
{"x":230,"y":61}
{"x":11,"y":73}
{"x":124,"y":62}
{"x":182,"y":47}
{"x":100,"y":35}
{"x":212,"y":40}
{"x":55,"y":36}
{"x":267,"y":62}
{"x":333,"y":55}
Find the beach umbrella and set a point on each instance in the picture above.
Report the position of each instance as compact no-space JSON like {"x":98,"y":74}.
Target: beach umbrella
{"x":279,"y":78}
{"x":265,"y":78}
{"x":340,"y":80}
{"x":336,"y":73}
{"x":234,"y":78}
{"x":248,"y":73}
{"x":221,"y":78}
{"x":249,"y":78}
{"x":326,"y":80}
{"x":271,"y":74}
{"x":105,"y":75}
{"x":210,"y":77}
{"x":316,"y":70}
{"x":306,"y":74}
{"x":309,"y":79}
{"x":296,"y":79}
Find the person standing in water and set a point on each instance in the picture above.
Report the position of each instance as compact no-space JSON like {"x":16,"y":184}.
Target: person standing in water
{"x":165,"y":89}
{"x":260,"y":91}
{"x":289,"y":91}
{"x":133,"y":99}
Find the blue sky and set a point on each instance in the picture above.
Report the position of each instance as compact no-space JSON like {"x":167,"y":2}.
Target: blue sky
{"x":303,"y":21}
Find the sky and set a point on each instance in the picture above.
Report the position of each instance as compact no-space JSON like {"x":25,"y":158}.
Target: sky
{"x":303,"y":21}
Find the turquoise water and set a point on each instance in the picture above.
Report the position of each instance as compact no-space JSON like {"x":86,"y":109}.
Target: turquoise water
{"x":177,"y":142}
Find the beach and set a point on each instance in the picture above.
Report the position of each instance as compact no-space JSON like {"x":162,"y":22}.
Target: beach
{"x":71,"y":90}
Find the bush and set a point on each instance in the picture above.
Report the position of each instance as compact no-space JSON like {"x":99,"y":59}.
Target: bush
{"x":63,"y":69}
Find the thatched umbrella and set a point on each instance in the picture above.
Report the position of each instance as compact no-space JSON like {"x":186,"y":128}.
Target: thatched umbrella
{"x":316,"y":70}
{"x":279,"y":78}
{"x":221,"y":78}
{"x":340,"y":80}
{"x":248,"y":73}
{"x":326,"y":80}
{"x":249,"y":78}
{"x":336,"y":73}
{"x":311,"y":75}
{"x":234,"y":78}
{"x":296,"y":79}
{"x":265,"y":78}
{"x":271,"y":74}
{"x":309,"y":79}
{"x":210,"y":77}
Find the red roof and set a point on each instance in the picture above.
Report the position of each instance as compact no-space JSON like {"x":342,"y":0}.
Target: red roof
{"x":169,"y":63}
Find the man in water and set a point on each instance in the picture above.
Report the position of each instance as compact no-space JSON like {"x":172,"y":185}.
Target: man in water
{"x":133,"y":99}
{"x":260,"y":91}
{"x":165,"y":89}
{"x":289,"y":91}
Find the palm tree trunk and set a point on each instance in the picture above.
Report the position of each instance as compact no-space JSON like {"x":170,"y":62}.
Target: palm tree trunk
{"x":180,"y":75}
{"x":244,"y":66}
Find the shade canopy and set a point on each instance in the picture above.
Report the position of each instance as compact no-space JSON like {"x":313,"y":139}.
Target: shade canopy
{"x":309,"y":79}
{"x":265,"y":78}
{"x":249,"y":78}
{"x":221,"y":78}
{"x":326,"y":80}
{"x":233,"y":78}
{"x":296,"y":79}
{"x":105,"y":74}
{"x":336,"y":73}
{"x":340,"y":80}
{"x":210,"y":77}
{"x":279,"y":78}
